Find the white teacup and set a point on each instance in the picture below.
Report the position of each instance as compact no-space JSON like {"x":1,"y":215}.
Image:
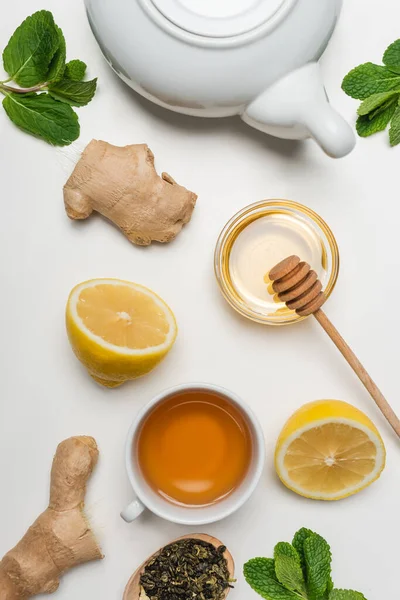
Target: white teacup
{"x":146,"y":497}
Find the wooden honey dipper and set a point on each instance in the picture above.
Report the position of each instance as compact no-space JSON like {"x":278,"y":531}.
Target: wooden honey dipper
{"x":297,"y":285}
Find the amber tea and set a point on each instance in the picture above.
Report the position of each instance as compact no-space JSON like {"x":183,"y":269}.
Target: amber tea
{"x":194,"y":448}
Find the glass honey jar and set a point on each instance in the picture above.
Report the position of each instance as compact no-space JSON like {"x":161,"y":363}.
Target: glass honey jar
{"x":257,"y":238}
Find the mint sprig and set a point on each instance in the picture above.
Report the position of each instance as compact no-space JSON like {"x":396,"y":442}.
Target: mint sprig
{"x":301,"y":570}
{"x":47,"y":86}
{"x":379,"y":88}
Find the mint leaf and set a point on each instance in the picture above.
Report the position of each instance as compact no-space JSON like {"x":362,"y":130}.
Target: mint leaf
{"x":298,"y":544}
{"x":369,"y":124}
{"x":317,"y":556}
{"x":57,"y":65}
{"x":31,"y":48}
{"x":76,"y":93}
{"x":288,"y":568}
{"x":75,"y":70}
{"x":264,"y":566}
{"x":394,"y":132}
{"x":375,"y":101}
{"x":346,"y":595}
{"x":368,"y":79}
{"x":391,"y":58}
{"x":43,"y":117}
{"x":329,"y":587}
{"x":260,"y":575}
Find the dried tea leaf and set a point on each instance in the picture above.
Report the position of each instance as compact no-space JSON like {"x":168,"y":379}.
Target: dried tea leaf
{"x":187,"y":569}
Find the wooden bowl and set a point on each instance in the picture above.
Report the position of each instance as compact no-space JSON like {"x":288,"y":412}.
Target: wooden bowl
{"x":132,"y":590}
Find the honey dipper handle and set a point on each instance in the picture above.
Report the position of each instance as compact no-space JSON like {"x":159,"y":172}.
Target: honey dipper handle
{"x":359,"y":370}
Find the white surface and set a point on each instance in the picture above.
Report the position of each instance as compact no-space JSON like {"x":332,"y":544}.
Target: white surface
{"x":47,"y":396}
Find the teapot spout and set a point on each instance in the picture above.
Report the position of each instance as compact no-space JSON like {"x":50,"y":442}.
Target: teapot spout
{"x":297,"y":107}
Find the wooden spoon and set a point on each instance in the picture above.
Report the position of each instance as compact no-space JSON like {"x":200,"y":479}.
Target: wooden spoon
{"x":132,"y":590}
{"x":299,"y":288}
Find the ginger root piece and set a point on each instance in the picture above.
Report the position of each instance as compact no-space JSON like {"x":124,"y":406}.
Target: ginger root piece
{"x":122,"y":184}
{"x":61,"y":537}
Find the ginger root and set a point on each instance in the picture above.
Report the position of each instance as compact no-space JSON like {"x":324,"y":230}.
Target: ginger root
{"x":60,"y":538}
{"x":122,"y":184}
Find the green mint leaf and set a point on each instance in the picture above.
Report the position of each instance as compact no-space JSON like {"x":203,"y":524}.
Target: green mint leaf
{"x":76,"y":93}
{"x":260,"y":575}
{"x":317,"y":556}
{"x":328,"y":590}
{"x":368,"y":79}
{"x":57,"y":65}
{"x":288,"y":568}
{"x":391,"y":58}
{"x":298,"y":544}
{"x":381,"y":109}
{"x":261,"y":566}
{"x":373,"y":123}
{"x":346,"y":595}
{"x":31,"y":48}
{"x":329,"y":587}
{"x":75,"y":70}
{"x":43,"y":117}
{"x":375,"y":101}
{"x":394,"y":132}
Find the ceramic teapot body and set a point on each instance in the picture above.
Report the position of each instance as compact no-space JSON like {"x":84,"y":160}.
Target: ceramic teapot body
{"x":217,"y":58}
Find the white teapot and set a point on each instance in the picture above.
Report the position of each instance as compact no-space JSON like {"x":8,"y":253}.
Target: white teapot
{"x":218,"y":58}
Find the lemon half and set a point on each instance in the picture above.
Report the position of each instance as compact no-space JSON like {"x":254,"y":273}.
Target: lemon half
{"x":329,"y":450}
{"x":119,"y":330}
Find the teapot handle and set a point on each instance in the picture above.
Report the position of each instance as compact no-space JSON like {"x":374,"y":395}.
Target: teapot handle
{"x":297,"y":107}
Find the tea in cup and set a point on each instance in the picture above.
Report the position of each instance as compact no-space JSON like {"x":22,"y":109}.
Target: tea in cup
{"x":194,"y":455}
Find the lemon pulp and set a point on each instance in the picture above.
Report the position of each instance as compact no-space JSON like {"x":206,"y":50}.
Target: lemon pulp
{"x":123,"y":316}
{"x":329,"y":450}
{"x":330,"y":458}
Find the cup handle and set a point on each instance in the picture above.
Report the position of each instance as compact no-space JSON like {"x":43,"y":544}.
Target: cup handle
{"x":132,"y":511}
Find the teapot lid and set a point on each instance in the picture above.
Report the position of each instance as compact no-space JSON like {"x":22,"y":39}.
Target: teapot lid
{"x":219,"y":18}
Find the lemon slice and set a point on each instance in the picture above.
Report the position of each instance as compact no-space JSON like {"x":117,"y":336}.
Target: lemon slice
{"x":329,"y":450}
{"x":119,"y":330}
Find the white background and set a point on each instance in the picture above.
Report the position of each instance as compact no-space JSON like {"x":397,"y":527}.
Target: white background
{"x":47,"y":396}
